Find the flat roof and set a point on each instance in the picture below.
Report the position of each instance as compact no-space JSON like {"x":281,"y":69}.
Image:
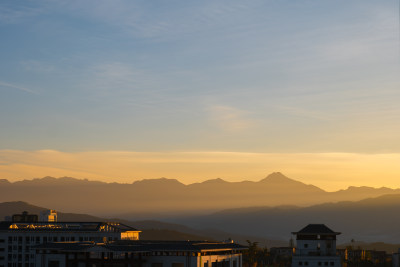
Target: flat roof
{"x":145,"y":246}
{"x":66,"y":226}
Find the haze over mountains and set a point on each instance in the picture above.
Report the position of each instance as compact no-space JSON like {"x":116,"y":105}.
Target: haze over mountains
{"x":266,"y":211}
{"x":160,"y":198}
{"x":370,"y":220}
{"x":151,"y":229}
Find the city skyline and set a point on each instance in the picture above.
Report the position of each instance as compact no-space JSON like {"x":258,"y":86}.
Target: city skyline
{"x":127,"y":90}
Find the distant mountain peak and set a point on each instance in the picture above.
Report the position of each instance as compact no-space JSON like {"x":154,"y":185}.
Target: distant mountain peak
{"x":162,"y":180}
{"x":216,"y":180}
{"x":276,"y":177}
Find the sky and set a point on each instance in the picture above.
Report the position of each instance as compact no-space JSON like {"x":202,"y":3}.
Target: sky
{"x":194,"y":90}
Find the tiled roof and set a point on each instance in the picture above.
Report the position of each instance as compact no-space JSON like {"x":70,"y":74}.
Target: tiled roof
{"x":316,"y":229}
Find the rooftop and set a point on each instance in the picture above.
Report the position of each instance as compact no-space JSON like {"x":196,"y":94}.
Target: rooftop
{"x":66,"y":226}
{"x":316,"y":229}
{"x":145,"y":246}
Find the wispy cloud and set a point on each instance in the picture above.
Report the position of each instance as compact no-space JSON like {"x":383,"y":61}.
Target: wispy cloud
{"x":18,"y":12}
{"x":13,"y":86}
{"x":303,"y":112}
{"x":230,"y":119}
{"x":37,"y":66}
{"x":171,"y":22}
{"x":122,"y":81}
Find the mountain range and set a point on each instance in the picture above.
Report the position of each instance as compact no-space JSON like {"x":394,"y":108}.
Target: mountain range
{"x":370,"y":223}
{"x":160,"y":198}
{"x":370,"y":220}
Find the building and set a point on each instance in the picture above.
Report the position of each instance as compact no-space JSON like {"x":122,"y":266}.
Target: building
{"x":140,"y":254}
{"x":18,"y":236}
{"x":396,"y":259}
{"x":316,"y":247}
{"x":48,"y":216}
{"x":281,"y":252}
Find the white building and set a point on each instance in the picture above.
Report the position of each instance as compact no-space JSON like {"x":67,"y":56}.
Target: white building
{"x":18,"y":236}
{"x":316,"y":247}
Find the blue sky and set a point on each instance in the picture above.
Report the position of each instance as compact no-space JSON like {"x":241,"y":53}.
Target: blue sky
{"x":305,"y":76}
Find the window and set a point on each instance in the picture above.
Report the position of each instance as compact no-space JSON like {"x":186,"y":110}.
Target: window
{"x":332,"y":263}
{"x":306,"y":245}
{"x":178,"y":264}
{"x":319,"y":263}
{"x":300,"y":263}
{"x":326,"y":263}
{"x":306,"y":263}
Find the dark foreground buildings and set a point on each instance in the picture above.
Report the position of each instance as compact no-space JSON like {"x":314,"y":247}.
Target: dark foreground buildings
{"x":27,"y":242}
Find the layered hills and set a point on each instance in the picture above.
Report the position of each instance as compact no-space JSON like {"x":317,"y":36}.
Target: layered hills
{"x":366,"y":223}
{"x":160,"y":198}
{"x":371,"y":220}
{"x":151,"y":229}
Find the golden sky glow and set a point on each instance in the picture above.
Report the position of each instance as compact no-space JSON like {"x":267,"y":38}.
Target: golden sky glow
{"x":282,"y":80}
{"x":330,"y":171}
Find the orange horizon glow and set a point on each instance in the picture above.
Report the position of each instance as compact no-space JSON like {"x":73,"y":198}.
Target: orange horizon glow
{"x":329,"y":171}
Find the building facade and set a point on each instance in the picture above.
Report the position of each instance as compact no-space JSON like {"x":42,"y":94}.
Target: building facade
{"x":140,"y":254}
{"x":24,"y":231}
{"x":316,"y":247}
